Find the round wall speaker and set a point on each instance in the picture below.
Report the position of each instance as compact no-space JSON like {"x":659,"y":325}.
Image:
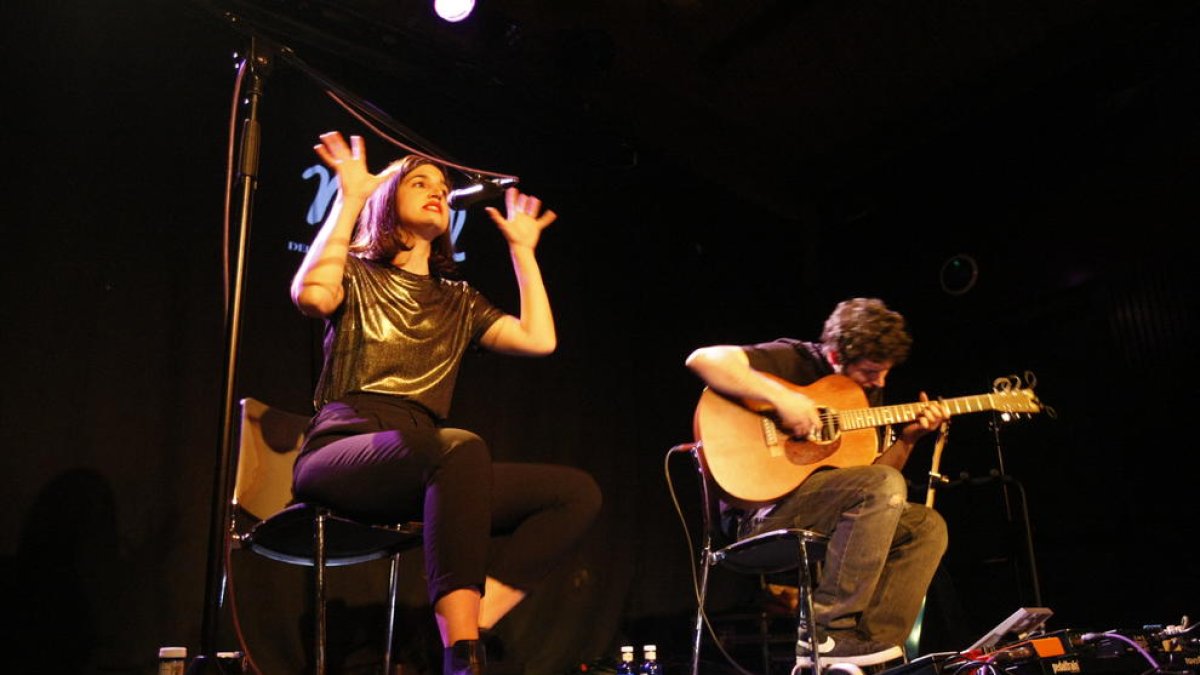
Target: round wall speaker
{"x":959,"y":274}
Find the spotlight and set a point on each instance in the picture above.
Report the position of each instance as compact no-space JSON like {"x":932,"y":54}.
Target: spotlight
{"x":453,"y":10}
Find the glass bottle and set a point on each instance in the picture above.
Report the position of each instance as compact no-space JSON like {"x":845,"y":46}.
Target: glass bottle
{"x":650,"y":664}
{"x":172,"y":660}
{"x":626,"y":666}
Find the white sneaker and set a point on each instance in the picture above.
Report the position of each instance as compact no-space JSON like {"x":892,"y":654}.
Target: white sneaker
{"x":847,"y":648}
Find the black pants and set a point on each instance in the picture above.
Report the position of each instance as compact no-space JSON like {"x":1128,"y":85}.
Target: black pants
{"x":386,"y":463}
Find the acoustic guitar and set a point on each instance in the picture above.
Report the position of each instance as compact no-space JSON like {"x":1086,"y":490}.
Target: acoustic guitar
{"x":754,"y":462}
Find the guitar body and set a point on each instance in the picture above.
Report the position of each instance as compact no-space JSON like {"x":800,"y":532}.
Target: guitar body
{"x":754,"y":462}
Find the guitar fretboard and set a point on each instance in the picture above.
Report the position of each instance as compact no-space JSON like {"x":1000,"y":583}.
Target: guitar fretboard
{"x":863,"y":418}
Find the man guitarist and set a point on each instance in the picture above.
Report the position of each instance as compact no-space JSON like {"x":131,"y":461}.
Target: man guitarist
{"x":883,"y":549}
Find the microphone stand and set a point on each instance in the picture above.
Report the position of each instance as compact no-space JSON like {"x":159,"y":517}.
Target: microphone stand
{"x":1026,"y":529}
{"x":259,"y":61}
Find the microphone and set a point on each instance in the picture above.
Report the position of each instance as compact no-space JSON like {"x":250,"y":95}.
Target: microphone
{"x":478,"y":190}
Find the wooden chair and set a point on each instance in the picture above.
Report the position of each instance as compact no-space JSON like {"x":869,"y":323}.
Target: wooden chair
{"x":268,"y":522}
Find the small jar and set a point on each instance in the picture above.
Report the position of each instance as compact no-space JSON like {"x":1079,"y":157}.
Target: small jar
{"x":231,"y":663}
{"x":172,"y":660}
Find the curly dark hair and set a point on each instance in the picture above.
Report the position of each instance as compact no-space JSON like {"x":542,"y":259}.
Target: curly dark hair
{"x":864,"y":328}
{"x":378,"y":235}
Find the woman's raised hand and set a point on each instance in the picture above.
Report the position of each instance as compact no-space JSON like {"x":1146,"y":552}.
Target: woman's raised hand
{"x":350,"y":163}
{"x":525,"y":220}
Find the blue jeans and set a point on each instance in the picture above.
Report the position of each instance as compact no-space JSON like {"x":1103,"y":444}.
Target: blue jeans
{"x":882,"y":553}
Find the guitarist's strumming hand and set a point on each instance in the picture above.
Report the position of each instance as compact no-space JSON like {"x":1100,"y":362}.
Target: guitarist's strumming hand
{"x":797,"y":414}
{"x":727,"y":369}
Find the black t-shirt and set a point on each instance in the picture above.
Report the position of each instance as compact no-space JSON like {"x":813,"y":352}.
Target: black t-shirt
{"x":797,"y":362}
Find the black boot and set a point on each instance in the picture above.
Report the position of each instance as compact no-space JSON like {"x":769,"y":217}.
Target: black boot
{"x":465,"y":657}
{"x":492,"y":644}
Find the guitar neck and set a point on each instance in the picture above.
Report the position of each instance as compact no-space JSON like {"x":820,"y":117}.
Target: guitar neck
{"x":863,"y":418}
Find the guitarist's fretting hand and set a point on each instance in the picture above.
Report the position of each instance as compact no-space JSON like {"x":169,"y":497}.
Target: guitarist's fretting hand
{"x":931,"y":417}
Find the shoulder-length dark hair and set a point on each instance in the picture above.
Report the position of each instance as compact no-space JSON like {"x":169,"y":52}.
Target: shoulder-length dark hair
{"x":379,"y":234}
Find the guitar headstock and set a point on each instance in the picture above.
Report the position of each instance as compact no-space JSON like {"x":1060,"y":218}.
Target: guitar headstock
{"x":1013,"y":396}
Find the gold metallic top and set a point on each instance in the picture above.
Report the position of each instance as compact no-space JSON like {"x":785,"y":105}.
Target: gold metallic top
{"x":400,"y":334}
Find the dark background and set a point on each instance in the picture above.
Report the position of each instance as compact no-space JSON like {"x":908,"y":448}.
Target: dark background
{"x":724,"y":173}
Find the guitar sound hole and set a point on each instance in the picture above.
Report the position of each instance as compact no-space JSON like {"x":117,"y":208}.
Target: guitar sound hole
{"x":828,"y":431}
